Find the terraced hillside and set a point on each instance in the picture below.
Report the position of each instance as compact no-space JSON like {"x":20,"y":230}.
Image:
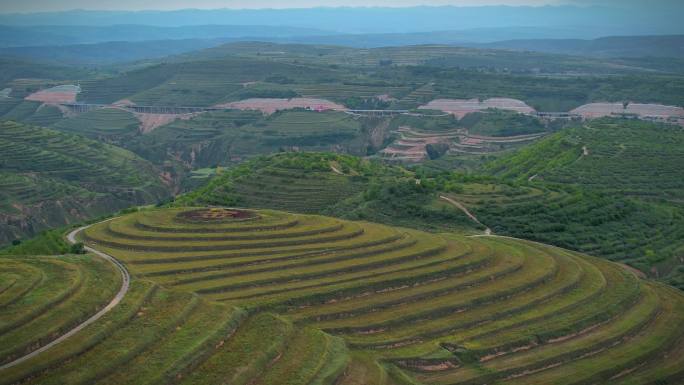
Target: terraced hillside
{"x":436,"y":55}
{"x":193,"y":82}
{"x":13,"y":68}
{"x":646,"y":235}
{"x":29,"y":112}
{"x":458,"y":145}
{"x":221,"y":137}
{"x":42,"y":298}
{"x":636,"y":158}
{"x":50,"y":178}
{"x":306,"y":182}
{"x":331,"y":184}
{"x":414,"y":307}
{"x":411,"y":75}
{"x":153,"y":336}
{"x":107,"y":125}
{"x":630,"y":182}
{"x":643,"y":235}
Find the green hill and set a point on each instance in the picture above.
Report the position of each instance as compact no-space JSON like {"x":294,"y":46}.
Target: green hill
{"x":331,"y":184}
{"x":221,"y":138}
{"x":412,"y":307}
{"x":29,"y":112}
{"x":630,"y":181}
{"x":193,"y":82}
{"x":412,"y":75}
{"x":153,"y":336}
{"x":626,"y":157}
{"x":645,"y":234}
{"x":612,"y":46}
{"x":107,"y":124}
{"x":15,"y":68}
{"x":50,"y":179}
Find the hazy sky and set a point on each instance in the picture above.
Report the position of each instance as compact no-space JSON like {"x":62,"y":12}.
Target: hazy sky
{"x":7,"y":6}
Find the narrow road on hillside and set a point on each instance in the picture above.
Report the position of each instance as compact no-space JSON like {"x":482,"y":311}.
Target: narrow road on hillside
{"x":125,"y":284}
{"x":335,"y":170}
{"x":470,"y":215}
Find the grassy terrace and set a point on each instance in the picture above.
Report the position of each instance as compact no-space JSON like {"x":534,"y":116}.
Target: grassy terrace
{"x":641,"y":158}
{"x":43,"y":297}
{"x":629,"y":203}
{"x":300,"y":192}
{"x":107,"y":124}
{"x":368,"y":302}
{"x":153,"y":336}
{"x":226,"y":137}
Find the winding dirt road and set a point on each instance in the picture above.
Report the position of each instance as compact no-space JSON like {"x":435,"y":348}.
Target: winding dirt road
{"x":125,"y":284}
{"x":470,"y":215}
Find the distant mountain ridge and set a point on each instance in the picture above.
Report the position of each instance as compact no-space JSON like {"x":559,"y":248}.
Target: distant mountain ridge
{"x":595,"y":21}
{"x":50,"y":35}
{"x":108,"y":53}
{"x":613,"y":46}
{"x":150,"y":44}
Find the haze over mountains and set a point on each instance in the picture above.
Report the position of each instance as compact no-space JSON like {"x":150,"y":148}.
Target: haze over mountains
{"x":88,"y":37}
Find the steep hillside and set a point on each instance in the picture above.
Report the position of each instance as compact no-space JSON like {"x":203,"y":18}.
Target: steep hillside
{"x":622,"y":157}
{"x":108,"y":125}
{"x":630,"y":181}
{"x":331,"y":184}
{"x":182,"y":143}
{"x":152,"y":336}
{"x":50,"y":179}
{"x":645,"y":234}
{"x":415,"y":307}
{"x":29,"y":112}
{"x":15,"y":68}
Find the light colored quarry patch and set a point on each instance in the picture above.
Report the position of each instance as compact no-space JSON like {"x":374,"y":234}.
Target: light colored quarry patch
{"x":55,"y":95}
{"x":657,"y":111}
{"x":598,"y":110}
{"x":148,"y":122}
{"x":271,"y":105}
{"x":124,"y":103}
{"x":52,"y":97}
{"x":462,"y":107}
{"x":386,"y":98}
{"x":5,"y":93}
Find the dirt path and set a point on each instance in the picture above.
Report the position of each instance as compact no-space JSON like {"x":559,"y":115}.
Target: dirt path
{"x":125,"y":283}
{"x":470,"y":215}
{"x":584,"y":154}
{"x":335,"y":170}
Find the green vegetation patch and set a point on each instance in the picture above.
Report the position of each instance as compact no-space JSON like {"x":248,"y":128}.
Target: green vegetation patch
{"x":431,"y":308}
{"x":51,"y":178}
